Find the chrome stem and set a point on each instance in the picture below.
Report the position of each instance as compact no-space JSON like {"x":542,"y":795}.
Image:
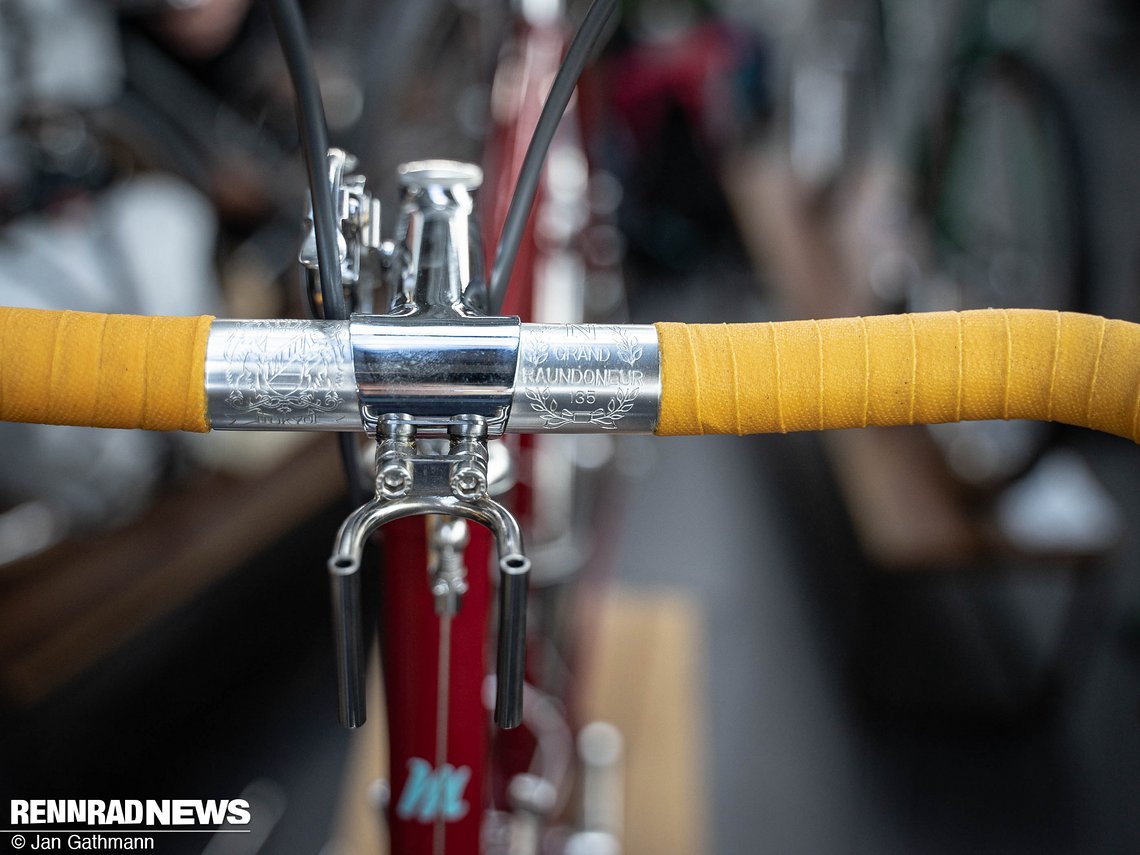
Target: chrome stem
{"x":434,"y":366}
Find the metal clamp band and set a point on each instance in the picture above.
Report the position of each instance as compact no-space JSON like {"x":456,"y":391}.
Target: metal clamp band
{"x":435,"y":369}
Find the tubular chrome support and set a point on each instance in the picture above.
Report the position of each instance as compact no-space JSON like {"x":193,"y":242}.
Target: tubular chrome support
{"x":434,"y":365}
{"x":365,"y":520}
{"x":510,"y":660}
{"x":347,"y":623}
{"x":514,"y":570}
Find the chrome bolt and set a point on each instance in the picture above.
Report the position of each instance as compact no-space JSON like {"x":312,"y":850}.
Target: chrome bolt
{"x":393,"y":456}
{"x":469,"y":481}
{"x":394,"y":481}
{"x":469,"y":449}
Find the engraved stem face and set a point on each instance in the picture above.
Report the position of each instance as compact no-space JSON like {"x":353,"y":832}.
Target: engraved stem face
{"x":583,"y":378}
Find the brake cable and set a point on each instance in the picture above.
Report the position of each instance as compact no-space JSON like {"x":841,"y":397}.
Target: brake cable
{"x":314,"y":136}
{"x":565,"y":81}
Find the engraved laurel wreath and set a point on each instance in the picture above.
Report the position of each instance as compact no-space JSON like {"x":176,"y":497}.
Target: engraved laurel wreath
{"x":607,"y":418}
{"x":291,"y":381}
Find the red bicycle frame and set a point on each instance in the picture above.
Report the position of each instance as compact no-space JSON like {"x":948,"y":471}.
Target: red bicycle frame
{"x":458,"y":790}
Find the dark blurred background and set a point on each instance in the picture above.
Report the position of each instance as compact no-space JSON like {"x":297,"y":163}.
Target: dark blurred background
{"x":914,"y":640}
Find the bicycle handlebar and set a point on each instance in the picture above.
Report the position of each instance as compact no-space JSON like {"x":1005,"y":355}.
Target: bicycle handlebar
{"x":130,"y":372}
{"x":901,"y":369}
{"x":118,"y":371}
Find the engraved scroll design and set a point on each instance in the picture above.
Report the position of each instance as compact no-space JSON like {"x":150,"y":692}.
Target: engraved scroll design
{"x":291,"y":381}
{"x":543,"y":402}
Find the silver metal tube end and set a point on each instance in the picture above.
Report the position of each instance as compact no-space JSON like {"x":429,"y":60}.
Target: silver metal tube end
{"x":348,"y":636}
{"x":514,"y":582}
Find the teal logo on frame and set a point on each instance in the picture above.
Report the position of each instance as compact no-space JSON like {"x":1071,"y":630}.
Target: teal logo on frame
{"x":433,"y":793}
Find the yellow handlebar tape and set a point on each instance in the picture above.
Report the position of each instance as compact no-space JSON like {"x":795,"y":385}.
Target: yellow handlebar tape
{"x":121,"y":371}
{"x":899,"y":370}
